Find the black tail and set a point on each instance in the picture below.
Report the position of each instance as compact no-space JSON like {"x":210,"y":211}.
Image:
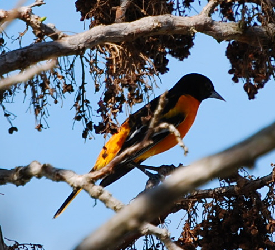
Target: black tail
{"x":67,"y":202}
{"x":118,"y":173}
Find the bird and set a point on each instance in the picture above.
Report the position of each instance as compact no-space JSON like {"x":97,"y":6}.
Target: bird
{"x":181,"y":105}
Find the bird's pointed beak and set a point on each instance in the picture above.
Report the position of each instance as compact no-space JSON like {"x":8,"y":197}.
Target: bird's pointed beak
{"x":216,"y":95}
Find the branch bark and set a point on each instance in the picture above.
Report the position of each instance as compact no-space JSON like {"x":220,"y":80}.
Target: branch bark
{"x":118,"y":32}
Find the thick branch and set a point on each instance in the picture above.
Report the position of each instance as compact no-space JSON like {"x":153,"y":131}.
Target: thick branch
{"x":156,"y":201}
{"x":197,"y":196}
{"x":118,"y":32}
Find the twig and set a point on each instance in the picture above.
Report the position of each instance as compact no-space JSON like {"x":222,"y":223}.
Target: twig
{"x":25,"y":14}
{"x":160,"y":233}
{"x":26,"y":75}
{"x":121,"y":10}
{"x":173,"y":130}
{"x":156,"y":116}
{"x":229,"y":191}
{"x":209,"y":8}
{"x":95,"y":175}
{"x":2,"y":244}
{"x":9,"y":17}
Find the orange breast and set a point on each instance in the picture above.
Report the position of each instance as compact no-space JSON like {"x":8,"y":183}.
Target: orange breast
{"x":187,"y":105}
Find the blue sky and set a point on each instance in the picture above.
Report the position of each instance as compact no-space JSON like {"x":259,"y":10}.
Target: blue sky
{"x":26,"y":212}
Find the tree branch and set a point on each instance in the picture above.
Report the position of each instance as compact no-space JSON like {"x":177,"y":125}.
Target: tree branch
{"x":209,"y":8}
{"x":118,"y":32}
{"x":21,"y":175}
{"x":229,"y":191}
{"x":162,"y":234}
{"x":197,"y":196}
{"x":156,"y":201}
{"x":25,"y":14}
{"x":121,"y":10}
{"x":26,"y":75}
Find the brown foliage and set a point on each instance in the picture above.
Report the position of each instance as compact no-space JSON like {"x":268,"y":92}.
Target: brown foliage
{"x":254,"y":64}
{"x":244,"y":221}
{"x":124,"y":72}
{"x":128,"y":65}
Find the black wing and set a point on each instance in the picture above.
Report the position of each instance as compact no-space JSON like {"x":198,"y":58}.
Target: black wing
{"x":140,"y":133}
{"x":139,"y":123}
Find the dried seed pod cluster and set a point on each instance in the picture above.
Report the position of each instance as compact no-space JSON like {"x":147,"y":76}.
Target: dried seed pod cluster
{"x":242,"y":220}
{"x":127,"y":67}
{"x":254,"y":64}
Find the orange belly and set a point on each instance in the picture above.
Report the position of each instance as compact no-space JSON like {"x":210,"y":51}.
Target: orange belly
{"x":187,"y":105}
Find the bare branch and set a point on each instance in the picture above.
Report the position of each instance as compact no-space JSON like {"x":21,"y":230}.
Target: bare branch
{"x":118,"y":32}
{"x":232,"y":190}
{"x":156,"y":201}
{"x":156,"y":116}
{"x":209,"y":8}
{"x":25,"y":14}
{"x":121,"y":10}
{"x":162,"y":234}
{"x":26,"y":75}
{"x":21,"y":175}
{"x":8,"y":18}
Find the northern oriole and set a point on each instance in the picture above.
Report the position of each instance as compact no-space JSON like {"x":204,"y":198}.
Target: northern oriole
{"x":182,"y":103}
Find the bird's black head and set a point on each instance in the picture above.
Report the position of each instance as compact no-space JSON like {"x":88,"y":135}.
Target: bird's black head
{"x":196,"y":85}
